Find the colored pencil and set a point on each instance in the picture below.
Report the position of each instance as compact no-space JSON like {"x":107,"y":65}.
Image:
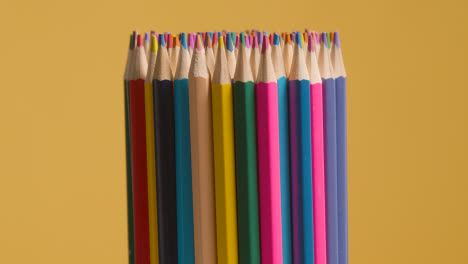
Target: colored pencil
{"x":183,"y":160}
{"x":342,"y":149}
{"x":287,"y":53}
{"x":146,"y":45}
{"x":269,"y":174}
{"x":301,"y":158}
{"x":318,"y":158}
{"x":246,"y":160}
{"x":329,"y":107}
{"x":165,"y":157}
{"x":230,"y":56}
{"x":128,"y":152}
{"x":204,"y":217}
{"x":283,"y":110}
{"x":223,"y":139}
{"x":210,"y":60}
{"x":254,"y":57}
{"x":151,"y":155}
{"x":139,"y":168}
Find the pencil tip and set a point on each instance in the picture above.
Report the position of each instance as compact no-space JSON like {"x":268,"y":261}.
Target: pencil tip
{"x":229,"y":42}
{"x":147,"y":38}
{"x":242,"y":39}
{"x":220,"y":41}
{"x":276,"y":40}
{"x":298,"y":40}
{"x":265,"y":43}
{"x":154,"y":44}
{"x":139,"y":42}
{"x":310,"y":44}
{"x":336,"y":40}
{"x":183,"y":40}
{"x":199,"y":43}
{"x":162,"y":41}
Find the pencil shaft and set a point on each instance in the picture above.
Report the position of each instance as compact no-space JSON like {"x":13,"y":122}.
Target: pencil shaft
{"x":183,"y":173}
{"x":301,"y":171}
{"x":342,"y":169}
{"x":151,"y":171}
{"x":318,"y":174}
{"x":225,"y":183}
{"x":269,"y":172}
{"x":201,"y":133}
{"x":139,"y":171}
{"x":329,"y":93}
{"x":128,"y":151}
{"x":246,"y":172}
{"x":165,"y":170}
{"x":283,"y":119}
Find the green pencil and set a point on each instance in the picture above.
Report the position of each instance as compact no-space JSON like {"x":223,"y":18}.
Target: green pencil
{"x":246,"y":160}
{"x":131,"y":247}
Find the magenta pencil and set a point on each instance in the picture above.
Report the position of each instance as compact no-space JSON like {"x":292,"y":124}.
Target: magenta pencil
{"x":266,"y":90}
{"x":318,"y":158}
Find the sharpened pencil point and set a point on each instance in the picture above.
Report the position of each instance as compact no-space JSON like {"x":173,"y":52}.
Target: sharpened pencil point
{"x":183,"y":40}
{"x":336,"y":39}
{"x":170,"y":41}
{"x":162,"y":41}
{"x":276,"y":39}
{"x":147,"y":38}
{"x":154,"y":44}
{"x":310,"y":44}
{"x":199,"y":45}
{"x":220,"y":41}
{"x":298,"y":40}
{"x":265,"y":43}
{"x":229,"y":42}
{"x":139,"y":42}
{"x":242,"y":39}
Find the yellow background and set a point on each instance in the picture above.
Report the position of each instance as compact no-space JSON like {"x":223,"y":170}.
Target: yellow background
{"x":62,"y":162}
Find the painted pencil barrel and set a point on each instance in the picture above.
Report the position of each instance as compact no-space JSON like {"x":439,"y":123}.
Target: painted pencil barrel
{"x":128,"y":156}
{"x":246,"y":172}
{"x":269,"y":172}
{"x":342,"y":169}
{"x":329,"y":94}
{"x":151,"y":175}
{"x":301,"y":171}
{"x":283,"y":129}
{"x":165,"y":170}
{"x":224,"y":171}
{"x":318,"y":174}
{"x":139,"y":171}
{"x":183,"y":173}
{"x":204,"y":216}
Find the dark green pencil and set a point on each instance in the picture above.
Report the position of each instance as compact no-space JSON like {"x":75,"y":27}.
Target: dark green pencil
{"x":128,"y":153}
{"x":246,"y":160}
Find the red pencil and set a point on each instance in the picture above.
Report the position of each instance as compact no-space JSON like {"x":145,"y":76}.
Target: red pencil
{"x":138,"y":146}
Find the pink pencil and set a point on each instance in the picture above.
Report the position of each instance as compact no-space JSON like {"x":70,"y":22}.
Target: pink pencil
{"x":318,"y":159}
{"x":266,"y":91}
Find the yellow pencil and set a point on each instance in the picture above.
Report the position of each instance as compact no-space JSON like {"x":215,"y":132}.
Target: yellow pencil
{"x":224,"y":168}
{"x":150,"y":156}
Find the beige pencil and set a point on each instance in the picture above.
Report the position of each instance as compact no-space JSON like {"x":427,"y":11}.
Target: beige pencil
{"x":201,"y":135}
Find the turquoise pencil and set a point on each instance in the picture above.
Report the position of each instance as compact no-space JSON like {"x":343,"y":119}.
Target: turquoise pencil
{"x":185,"y":240}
